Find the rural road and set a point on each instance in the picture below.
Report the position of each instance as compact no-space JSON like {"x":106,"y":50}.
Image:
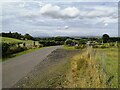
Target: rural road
{"x":16,"y":68}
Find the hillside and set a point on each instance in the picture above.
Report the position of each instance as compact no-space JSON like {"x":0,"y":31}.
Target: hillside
{"x":13,"y":40}
{"x":9,"y":40}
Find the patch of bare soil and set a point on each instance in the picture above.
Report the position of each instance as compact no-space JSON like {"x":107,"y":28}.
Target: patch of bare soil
{"x":51,"y":72}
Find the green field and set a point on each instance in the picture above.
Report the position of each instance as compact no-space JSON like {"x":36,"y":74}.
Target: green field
{"x":12,"y":40}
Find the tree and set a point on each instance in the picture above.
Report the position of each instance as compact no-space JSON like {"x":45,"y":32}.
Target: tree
{"x":27,"y":36}
{"x":105,"y":38}
{"x":82,"y":41}
{"x":68,"y":42}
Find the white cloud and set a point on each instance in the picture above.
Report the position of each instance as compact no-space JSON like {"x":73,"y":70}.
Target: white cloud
{"x":108,"y":20}
{"x":100,"y":11}
{"x":57,"y":12}
{"x":40,"y":4}
{"x":50,"y":10}
{"x":66,"y":27}
{"x":22,"y":5}
{"x":106,"y":24}
{"x":70,"y":12}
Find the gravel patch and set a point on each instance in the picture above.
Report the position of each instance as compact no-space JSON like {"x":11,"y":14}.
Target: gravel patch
{"x":49,"y":65}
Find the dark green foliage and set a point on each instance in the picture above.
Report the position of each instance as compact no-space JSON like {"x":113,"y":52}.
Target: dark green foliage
{"x":71,"y":42}
{"x":51,"y":41}
{"x":80,"y":47}
{"x":17,"y":36}
{"x":105,"y":38}
{"x":24,"y":44}
{"x":48,"y":42}
{"x":9,"y":49}
{"x":5,"y":49}
{"x":68,"y":42}
{"x":95,"y":46}
{"x":82,"y":41}
{"x":114,"y":39}
{"x":28,"y":37}
{"x":12,"y":35}
{"x":16,"y":49}
{"x":60,"y":38}
{"x":104,"y":46}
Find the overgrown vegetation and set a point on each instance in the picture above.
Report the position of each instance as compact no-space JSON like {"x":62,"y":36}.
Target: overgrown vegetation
{"x":12,"y":46}
{"x":8,"y":49}
{"x":94,"y":68}
{"x":17,"y":35}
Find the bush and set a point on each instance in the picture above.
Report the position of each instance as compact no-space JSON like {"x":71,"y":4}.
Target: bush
{"x":8,"y":49}
{"x":40,"y":45}
{"x":82,"y":41}
{"x":16,"y":49}
{"x":101,"y":46}
{"x":104,"y":46}
{"x":80,"y":47}
{"x":68,"y":42}
{"x":5,"y":49}
{"x":95,"y":46}
{"x":48,"y":42}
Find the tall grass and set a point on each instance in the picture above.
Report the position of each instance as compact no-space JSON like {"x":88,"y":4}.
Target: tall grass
{"x":90,"y":70}
{"x":108,"y":60}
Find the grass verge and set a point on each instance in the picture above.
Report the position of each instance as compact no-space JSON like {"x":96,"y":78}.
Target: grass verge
{"x":68,"y":47}
{"x":94,"y":68}
{"x":108,"y":60}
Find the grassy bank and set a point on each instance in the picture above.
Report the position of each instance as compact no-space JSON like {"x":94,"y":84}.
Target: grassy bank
{"x":10,"y":40}
{"x":13,"y":40}
{"x":68,"y":47}
{"x":94,"y":68}
{"x":108,"y":60}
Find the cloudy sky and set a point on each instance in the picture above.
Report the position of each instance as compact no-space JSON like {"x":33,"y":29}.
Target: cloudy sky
{"x":60,"y":18}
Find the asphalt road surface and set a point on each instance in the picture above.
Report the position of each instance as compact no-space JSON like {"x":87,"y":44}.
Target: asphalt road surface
{"x":16,"y":68}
